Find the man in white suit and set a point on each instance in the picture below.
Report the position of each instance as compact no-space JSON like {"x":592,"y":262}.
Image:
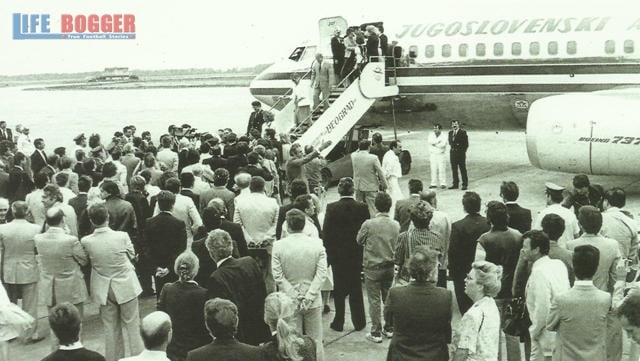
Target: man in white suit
{"x":19,"y":267}
{"x":437,"y":155}
{"x":300,"y":269}
{"x":61,"y":256}
{"x":368,"y":177}
{"x":579,"y":316}
{"x":114,"y":284}
{"x":321,"y":81}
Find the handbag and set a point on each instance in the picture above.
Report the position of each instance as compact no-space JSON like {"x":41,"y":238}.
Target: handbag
{"x":516,"y":318}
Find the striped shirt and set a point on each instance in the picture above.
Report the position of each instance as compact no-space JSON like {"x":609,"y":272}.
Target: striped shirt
{"x":409,"y":240}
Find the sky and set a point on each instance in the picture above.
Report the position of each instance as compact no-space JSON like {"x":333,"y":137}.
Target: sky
{"x":198,"y":33}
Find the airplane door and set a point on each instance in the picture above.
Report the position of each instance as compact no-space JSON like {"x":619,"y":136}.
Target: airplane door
{"x":327,"y":27}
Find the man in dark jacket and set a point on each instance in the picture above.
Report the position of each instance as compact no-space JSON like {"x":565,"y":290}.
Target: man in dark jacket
{"x":341,"y":225}
{"x":20,"y":184}
{"x":462,"y":246}
{"x":240,"y":281}
{"x":458,"y":143}
{"x":338,"y":52}
{"x":519,"y":217}
{"x":165,"y":238}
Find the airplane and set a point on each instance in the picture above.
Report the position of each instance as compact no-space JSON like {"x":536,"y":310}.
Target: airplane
{"x":487,"y":68}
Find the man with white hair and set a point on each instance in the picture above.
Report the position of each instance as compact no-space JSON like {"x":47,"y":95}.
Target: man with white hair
{"x":199,"y":185}
{"x":242,"y":182}
{"x":320,"y":81}
{"x":4,"y":209}
{"x":156,"y":332}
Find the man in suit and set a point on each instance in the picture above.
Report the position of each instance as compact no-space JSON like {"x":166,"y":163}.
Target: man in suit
{"x":458,"y":144}
{"x":338,"y":52}
{"x":187,"y":180}
{"x":377,"y":147}
{"x":65,"y":321}
{"x":34,"y":200}
{"x":403,"y":206}
{"x":19,"y":267}
{"x":79,"y":202}
{"x":320,"y":81}
{"x":462,"y":246}
{"x":114,"y":284}
{"x":255,"y":168}
{"x":4,"y":181}
{"x":184,"y":209}
{"x":216,"y":161}
{"x":258,"y":214}
{"x":240,"y":281}
{"x":300,"y":269}
{"x":519,"y":217}
{"x":39,"y":157}
{"x":156,"y":331}
{"x":219,"y":190}
{"x":342,"y":222}
{"x":122,"y":216}
{"x":298,"y":187}
{"x":61,"y":256}
{"x":221,"y":319}
{"x":368,"y":177}
{"x":257,"y":118}
{"x":420,"y":333}
{"x":165,"y":238}
{"x":213,"y":218}
{"x":579,"y":316}
{"x":167,"y":156}
{"x":20,"y":184}
{"x":617,"y":224}
{"x":5,"y":133}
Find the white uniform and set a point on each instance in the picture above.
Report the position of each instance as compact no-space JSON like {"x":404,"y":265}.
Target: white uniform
{"x":437,"y":155}
{"x":392,"y":172}
{"x":571,"y":227}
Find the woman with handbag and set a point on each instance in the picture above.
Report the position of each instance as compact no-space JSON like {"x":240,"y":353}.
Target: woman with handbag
{"x":479,"y":332}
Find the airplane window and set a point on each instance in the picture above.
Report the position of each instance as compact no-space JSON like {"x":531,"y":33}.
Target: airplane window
{"x":481,"y":49}
{"x":446,"y":50}
{"x":572,"y":47}
{"x":516,"y":48}
{"x":498,"y":49}
{"x":462,"y":50}
{"x":552,"y":48}
{"x":430,"y":52}
{"x":297,"y":53}
{"x":609,"y":46}
{"x":628,"y":46}
{"x":534,"y":48}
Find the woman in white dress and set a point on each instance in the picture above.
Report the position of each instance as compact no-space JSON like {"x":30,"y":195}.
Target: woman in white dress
{"x":393,"y":171}
{"x":13,"y":322}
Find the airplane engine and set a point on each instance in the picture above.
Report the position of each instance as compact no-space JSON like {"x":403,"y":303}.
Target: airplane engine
{"x":596,"y":133}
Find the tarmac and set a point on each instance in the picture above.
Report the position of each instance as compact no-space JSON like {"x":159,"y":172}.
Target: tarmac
{"x":493,"y":157}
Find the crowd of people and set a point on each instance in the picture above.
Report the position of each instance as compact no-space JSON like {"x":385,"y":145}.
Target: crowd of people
{"x":234,"y":237}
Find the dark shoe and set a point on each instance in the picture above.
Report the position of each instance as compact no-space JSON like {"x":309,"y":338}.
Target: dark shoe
{"x":33,"y":340}
{"x":464,"y":188}
{"x":431,"y":187}
{"x":360,"y":328}
{"x":453,"y":187}
{"x":335,"y":327}
{"x":326,"y":309}
{"x":443,"y":187}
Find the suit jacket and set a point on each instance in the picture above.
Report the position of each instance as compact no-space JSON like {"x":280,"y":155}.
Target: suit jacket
{"x":342,"y":222}
{"x":403,"y":206}
{"x":367,"y":172}
{"x":185,"y":210}
{"x":320,"y":77}
{"x":373,"y":43}
{"x":605,"y":276}
{"x":147,"y":355}
{"x":20,"y":184}
{"x":519,"y":217}
{"x":19,"y":252}
{"x":256,"y":119}
{"x":169,"y":158}
{"x":219,"y":192}
{"x":227,"y":350}
{"x":207,"y":264}
{"x":421,"y":319}
{"x":240,"y":281}
{"x":282,"y":212}
{"x":460,"y":142}
{"x":73,"y":180}
{"x":215,"y":162}
{"x":184,"y":302}
{"x":8,"y":136}
{"x":463,"y":241}
{"x":379,"y":150}
{"x":122,"y":217}
{"x":256,"y":171}
{"x":257,"y":214}
{"x":61,"y":256}
{"x":142,"y":211}
{"x":579,"y":317}
{"x":299,"y":265}
{"x":4,"y":184}
{"x":81,"y":354}
{"x":130,"y":161}
{"x":38,"y":161}
{"x":111,"y":253}
{"x":337,"y":48}
{"x":164,"y":238}
{"x":194,"y":197}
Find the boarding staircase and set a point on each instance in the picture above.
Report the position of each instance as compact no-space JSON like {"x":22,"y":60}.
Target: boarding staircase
{"x":346,"y":106}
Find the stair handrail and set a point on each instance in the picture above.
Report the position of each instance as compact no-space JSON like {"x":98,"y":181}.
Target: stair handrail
{"x":320,"y":104}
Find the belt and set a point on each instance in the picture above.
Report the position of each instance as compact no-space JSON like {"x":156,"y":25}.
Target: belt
{"x":380,"y":266}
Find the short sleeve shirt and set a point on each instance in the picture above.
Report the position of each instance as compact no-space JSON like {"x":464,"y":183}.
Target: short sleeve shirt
{"x":480,"y":331}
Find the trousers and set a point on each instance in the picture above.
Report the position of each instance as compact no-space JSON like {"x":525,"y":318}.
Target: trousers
{"x":309,"y":323}
{"x":346,"y":283}
{"x":377,"y":283}
{"x":369,"y":198}
{"x":29,"y":294}
{"x":438,"y":175}
{"x":117,"y":319}
{"x":324,"y":90}
{"x":459,"y":161}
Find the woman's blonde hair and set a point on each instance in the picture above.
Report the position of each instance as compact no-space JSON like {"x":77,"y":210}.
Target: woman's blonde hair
{"x":489,"y":276}
{"x":278,"y":307}
{"x":186,"y":266}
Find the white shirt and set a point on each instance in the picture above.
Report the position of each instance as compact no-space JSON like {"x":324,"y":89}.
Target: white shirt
{"x":74,"y":346}
{"x":36,"y":208}
{"x":617,"y":225}
{"x":222,"y":261}
{"x":121,"y":172}
{"x":548,"y":279}
{"x":391,"y":165}
{"x":301,"y":94}
{"x":437,"y":144}
{"x":571,"y":227}
{"x":24,"y":145}
{"x":67,"y":194}
{"x":258,"y":215}
{"x":200,"y":186}
{"x":479,"y":330}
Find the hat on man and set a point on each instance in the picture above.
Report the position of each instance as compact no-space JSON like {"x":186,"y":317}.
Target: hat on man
{"x":79,"y":137}
{"x":553,"y":187}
